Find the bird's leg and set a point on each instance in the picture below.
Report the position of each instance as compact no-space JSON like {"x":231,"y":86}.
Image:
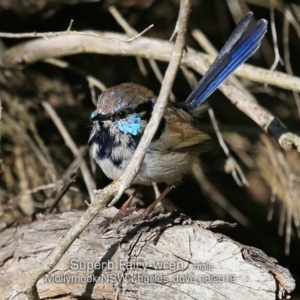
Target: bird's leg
{"x":123,"y":208}
{"x":150,"y":208}
{"x":144,"y":214}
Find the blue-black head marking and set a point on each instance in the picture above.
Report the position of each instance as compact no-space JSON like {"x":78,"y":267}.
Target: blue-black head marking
{"x":126,"y":105}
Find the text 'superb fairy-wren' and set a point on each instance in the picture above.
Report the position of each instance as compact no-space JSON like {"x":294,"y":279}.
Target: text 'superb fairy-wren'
{"x":123,"y":112}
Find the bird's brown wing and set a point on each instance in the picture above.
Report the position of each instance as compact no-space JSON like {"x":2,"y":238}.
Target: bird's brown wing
{"x":181,"y":134}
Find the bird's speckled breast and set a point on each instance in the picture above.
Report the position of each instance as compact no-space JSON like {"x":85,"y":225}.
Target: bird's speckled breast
{"x":115,"y":147}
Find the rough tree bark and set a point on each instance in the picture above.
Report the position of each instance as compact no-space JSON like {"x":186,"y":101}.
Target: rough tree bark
{"x":167,"y":257}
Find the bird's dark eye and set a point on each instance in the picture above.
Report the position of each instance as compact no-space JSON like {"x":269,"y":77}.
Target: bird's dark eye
{"x":122,"y":114}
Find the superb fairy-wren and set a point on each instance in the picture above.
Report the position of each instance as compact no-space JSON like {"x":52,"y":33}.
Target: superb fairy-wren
{"x":123,"y":112}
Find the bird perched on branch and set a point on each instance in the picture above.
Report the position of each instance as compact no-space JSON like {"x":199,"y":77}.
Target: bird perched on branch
{"x":123,"y":112}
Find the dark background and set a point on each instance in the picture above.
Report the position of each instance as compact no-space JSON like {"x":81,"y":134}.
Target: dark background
{"x":70,"y":96}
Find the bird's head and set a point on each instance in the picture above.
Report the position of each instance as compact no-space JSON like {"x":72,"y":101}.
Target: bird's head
{"x":125,"y":108}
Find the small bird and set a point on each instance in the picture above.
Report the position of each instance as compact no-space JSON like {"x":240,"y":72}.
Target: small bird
{"x":123,"y":112}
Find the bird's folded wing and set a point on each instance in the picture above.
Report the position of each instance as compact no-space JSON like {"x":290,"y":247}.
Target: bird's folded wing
{"x":181,"y":134}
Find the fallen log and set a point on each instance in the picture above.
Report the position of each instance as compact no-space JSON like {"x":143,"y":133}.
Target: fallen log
{"x":167,"y":257}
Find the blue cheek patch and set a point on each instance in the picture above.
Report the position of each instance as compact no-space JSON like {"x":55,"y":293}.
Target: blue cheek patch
{"x":130,"y":125}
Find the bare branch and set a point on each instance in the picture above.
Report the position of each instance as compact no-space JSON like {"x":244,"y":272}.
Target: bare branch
{"x":231,"y":165}
{"x":162,"y":100}
{"x":277,"y":58}
{"x":286,"y":53}
{"x":132,"y":32}
{"x":38,"y":50}
{"x":160,"y":50}
{"x":89,"y":182}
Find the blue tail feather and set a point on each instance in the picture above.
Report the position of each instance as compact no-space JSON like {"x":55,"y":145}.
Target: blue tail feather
{"x":241,"y":45}
{"x":236,"y":34}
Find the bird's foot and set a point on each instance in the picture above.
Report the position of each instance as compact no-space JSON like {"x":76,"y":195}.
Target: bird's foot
{"x":121,"y":214}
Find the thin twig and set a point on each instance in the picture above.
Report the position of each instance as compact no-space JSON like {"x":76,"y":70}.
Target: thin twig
{"x":286,"y":55}
{"x":280,"y":177}
{"x":88,"y":179}
{"x":162,"y":100}
{"x":39,"y":154}
{"x":47,"y":35}
{"x":235,"y":9}
{"x":70,"y":25}
{"x":287,"y":14}
{"x":38,"y":188}
{"x":69,"y":172}
{"x":132,"y":32}
{"x":51,"y":168}
{"x":61,"y":193}
{"x":90,"y":79}
{"x":274,"y":36}
{"x":231,"y":165}
{"x":213,"y":193}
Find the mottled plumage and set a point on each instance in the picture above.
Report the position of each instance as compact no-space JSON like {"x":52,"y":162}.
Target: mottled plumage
{"x":117,"y":133}
{"x":123,"y":112}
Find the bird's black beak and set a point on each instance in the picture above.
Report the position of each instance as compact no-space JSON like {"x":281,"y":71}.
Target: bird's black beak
{"x":95,"y":116}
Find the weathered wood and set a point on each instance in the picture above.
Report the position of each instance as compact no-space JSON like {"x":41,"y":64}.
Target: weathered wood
{"x":168,"y":257}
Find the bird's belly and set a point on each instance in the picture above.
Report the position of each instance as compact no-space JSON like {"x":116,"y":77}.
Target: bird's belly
{"x":156,"y":167}
{"x":110,"y":169}
{"x":164,"y":167}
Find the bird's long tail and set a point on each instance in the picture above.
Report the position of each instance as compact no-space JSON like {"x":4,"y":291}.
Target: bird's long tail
{"x":241,"y":45}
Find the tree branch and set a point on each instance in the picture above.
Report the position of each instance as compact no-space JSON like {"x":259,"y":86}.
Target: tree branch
{"x":37,"y":50}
